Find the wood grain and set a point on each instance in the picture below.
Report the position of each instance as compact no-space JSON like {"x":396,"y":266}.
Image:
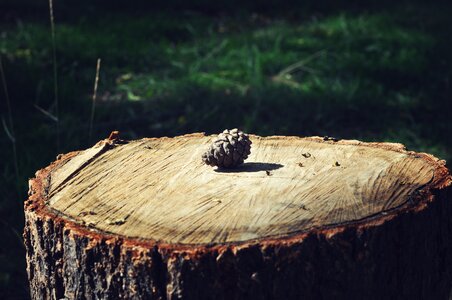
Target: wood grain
{"x":159,"y":189}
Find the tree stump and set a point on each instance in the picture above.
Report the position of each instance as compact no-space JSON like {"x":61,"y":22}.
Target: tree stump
{"x":303,"y":218}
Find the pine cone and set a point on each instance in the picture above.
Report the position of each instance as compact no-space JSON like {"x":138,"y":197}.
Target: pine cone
{"x":229,"y":150}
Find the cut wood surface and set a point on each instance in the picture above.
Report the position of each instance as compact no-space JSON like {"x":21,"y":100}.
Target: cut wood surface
{"x":159,"y":188}
{"x":303,"y":217}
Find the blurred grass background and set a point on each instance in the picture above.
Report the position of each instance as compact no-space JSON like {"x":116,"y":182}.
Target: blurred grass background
{"x":380,"y":72}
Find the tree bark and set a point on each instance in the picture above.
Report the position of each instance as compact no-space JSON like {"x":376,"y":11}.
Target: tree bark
{"x":364,"y":227}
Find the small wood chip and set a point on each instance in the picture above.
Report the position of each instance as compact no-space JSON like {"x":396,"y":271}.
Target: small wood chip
{"x":86,"y":213}
{"x":330,"y":138}
{"x":336,"y":164}
{"x":116,"y":222}
{"x":90,"y":224}
{"x":114,"y":135}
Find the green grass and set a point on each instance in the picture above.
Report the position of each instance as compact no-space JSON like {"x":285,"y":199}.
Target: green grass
{"x":373,"y":75}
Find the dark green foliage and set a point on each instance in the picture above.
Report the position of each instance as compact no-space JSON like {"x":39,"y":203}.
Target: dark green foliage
{"x":383,"y":74}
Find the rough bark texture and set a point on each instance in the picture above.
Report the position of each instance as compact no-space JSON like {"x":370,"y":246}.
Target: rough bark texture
{"x":404,"y":253}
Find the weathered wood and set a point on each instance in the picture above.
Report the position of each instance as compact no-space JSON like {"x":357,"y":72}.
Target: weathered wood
{"x":302,"y":218}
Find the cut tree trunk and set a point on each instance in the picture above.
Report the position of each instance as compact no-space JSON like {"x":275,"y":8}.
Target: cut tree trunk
{"x":303,"y":218}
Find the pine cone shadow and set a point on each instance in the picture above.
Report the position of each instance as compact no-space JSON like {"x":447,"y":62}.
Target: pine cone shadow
{"x":251,"y":167}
